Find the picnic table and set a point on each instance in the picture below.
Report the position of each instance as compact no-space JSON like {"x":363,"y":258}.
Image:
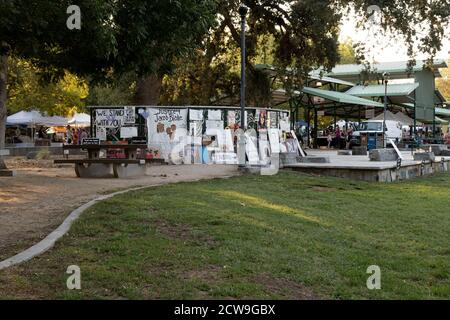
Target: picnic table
{"x":127,"y":160}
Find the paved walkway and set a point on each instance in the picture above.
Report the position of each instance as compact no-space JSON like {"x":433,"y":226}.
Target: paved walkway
{"x":37,"y":200}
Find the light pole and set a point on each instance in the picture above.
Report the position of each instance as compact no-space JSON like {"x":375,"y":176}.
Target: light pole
{"x":243,"y":12}
{"x":386,"y":77}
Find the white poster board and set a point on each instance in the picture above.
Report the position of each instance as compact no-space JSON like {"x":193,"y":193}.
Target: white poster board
{"x":101,"y":133}
{"x":274,"y":139}
{"x":195,"y":115}
{"x":251,"y":148}
{"x":128,"y":132}
{"x":396,"y":149}
{"x":214,"y":125}
{"x":214,"y":115}
{"x":129,"y":115}
{"x":109,"y":118}
{"x":302,"y":153}
{"x":165,"y":127}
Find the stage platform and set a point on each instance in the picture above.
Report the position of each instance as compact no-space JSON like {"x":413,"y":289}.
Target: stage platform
{"x":361,"y":168}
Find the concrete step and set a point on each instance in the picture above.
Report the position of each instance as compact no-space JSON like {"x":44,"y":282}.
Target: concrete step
{"x":424,"y":156}
{"x":383,"y":155}
{"x":312,"y":159}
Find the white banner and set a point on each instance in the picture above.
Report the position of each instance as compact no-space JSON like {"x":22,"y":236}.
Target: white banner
{"x":109,"y":118}
{"x":165,"y":128}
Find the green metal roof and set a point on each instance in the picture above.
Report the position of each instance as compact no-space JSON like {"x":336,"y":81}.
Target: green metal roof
{"x":393,"y":90}
{"x":391,"y":67}
{"x":272,"y":71}
{"x":437,"y":120}
{"x":438,"y":111}
{"x":442,"y":121}
{"x":341,"y":97}
{"x":331,"y":80}
{"x":442,"y":112}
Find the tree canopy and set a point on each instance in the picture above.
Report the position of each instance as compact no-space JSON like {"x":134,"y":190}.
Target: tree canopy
{"x":443,"y":84}
{"x":115,"y":36}
{"x":147,"y":39}
{"x":297,"y":36}
{"x":27,"y":91}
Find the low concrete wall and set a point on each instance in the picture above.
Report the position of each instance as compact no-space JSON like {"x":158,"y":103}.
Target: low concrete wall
{"x":23,"y":151}
{"x":381,"y":175}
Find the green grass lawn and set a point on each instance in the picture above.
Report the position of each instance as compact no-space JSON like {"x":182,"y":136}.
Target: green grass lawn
{"x":291,"y":236}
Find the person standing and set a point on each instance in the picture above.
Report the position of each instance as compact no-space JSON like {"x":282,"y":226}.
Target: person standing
{"x":74,"y":136}
{"x":338,"y":138}
{"x":41,"y":134}
{"x":69,"y":135}
{"x":329,"y":138}
{"x":83,"y":135}
{"x":349,"y":138}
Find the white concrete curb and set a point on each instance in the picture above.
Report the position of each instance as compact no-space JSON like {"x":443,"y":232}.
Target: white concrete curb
{"x":49,"y":241}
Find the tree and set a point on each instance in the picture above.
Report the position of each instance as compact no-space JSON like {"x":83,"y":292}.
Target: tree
{"x":115,"y":36}
{"x":298,"y":36}
{"x":284,"y":33}
{"x":443,"y":84}
{"x":36,"y":30}
{"x":26,"y":91}
{"x":347,"y":53}
{"x":420,"y":24}
{"x":152,"y":34}
{"x":116,"y":91}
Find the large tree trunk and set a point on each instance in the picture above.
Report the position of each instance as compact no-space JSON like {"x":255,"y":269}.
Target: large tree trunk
{"x":3,"y":114}
{"x":148,"y":90}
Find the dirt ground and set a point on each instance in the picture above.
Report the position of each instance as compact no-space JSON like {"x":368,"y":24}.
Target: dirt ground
{"x":41,"y":195}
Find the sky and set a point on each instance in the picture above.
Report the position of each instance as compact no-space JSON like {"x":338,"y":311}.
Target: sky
{"x":387,"y":51}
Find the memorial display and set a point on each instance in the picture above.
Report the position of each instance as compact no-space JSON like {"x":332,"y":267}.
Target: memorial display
{"x":193,"y":134}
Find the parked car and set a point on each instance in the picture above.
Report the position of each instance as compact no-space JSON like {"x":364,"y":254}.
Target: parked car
{"x":393,"y":130}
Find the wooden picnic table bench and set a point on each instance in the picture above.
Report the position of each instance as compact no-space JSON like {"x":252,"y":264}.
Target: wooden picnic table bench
{"x":94,"y":166}
{"x":106,"y":161}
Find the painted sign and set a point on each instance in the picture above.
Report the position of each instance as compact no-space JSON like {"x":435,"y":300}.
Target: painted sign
{"x":165,"y":128}
{"x":109,"y":118}
{"x":90,"y":141}
{"x":129,"y":115}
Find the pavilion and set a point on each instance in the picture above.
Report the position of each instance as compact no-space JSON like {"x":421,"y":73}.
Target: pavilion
{"x":351,"y":92}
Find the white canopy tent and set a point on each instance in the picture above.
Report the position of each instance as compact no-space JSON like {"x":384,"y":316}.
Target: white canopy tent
{"x":404,"y":119}
{"x":80,"y":120}
{"x":29,"y":118}
{"x":35,"y":118}
{"x":54,"y":121}
{"x":389,"y":116}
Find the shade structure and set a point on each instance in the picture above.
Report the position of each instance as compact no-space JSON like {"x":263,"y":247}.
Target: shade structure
{"x":437,"y":121}
{"x":398,"y":92}
{"x":443,"y":112}
{"x":342,"y":98}
{"x":80,"y":120}
{"x":324,"y":80}
{"x":396,"y":69}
